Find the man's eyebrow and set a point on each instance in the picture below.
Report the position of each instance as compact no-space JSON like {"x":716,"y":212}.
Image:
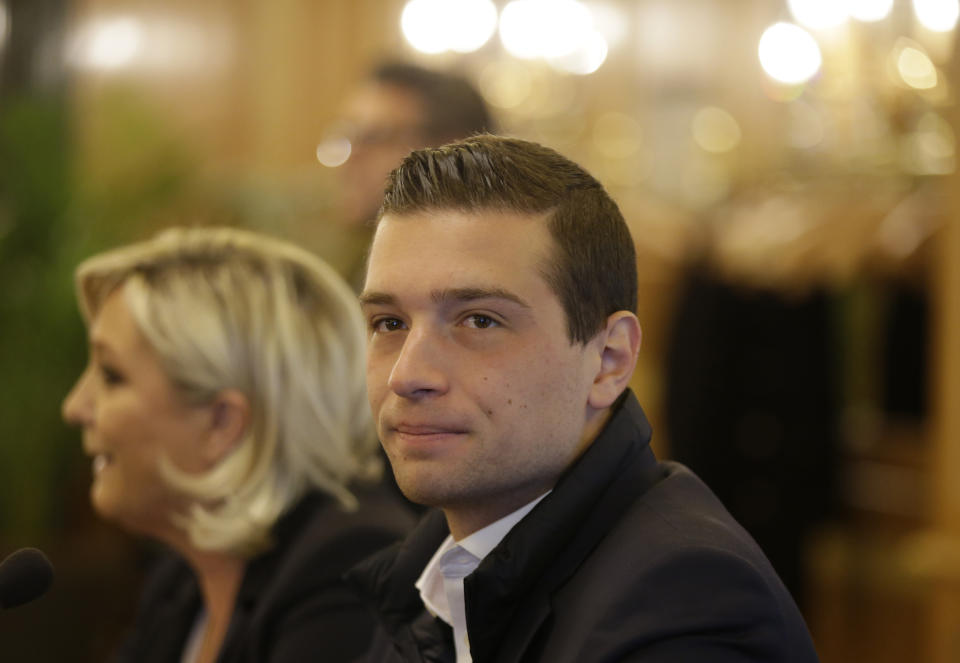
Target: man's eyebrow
{"x":375,"y":298}
{"x":470,"y":294}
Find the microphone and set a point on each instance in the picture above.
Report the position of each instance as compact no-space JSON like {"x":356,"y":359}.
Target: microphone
{"x":24,"y":576}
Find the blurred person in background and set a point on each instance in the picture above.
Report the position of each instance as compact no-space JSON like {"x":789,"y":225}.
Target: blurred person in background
{"x":224,"y":410}
{"x":755,"y":353}
{"x":398,"y":108}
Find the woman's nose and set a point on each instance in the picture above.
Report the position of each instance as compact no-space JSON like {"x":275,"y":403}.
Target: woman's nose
{"x":77,"y":408}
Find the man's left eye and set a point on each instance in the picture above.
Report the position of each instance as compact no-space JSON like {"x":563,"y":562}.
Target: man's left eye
{"x":386,"y":325}
{"x":480,"y":321}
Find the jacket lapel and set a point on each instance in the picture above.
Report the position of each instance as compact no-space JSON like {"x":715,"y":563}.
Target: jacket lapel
{"x":385,"y":580}
{"x":508,"y":596}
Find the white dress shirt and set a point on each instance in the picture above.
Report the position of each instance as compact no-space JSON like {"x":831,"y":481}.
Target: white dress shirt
{"x":441,"y":583}
{"x":191,"y":650}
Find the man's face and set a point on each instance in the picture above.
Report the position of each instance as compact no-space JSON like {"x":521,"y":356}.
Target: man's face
{"x":479,"y":396}
{"x":384,"y":123}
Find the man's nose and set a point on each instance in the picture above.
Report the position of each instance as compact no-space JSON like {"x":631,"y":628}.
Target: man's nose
{"x":419,"y":370}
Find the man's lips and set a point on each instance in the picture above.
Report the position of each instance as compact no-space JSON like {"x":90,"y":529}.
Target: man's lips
{"x":425,"y":438}
{"x":426,"y":429}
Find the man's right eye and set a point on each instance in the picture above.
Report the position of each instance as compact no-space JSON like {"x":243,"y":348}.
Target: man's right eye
{"x":387,"y":325}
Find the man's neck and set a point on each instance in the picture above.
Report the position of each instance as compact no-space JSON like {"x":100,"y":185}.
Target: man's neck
{"x":464,"y":520}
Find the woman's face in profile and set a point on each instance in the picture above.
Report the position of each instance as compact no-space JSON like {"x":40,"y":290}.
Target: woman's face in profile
{"x":131,"y":416}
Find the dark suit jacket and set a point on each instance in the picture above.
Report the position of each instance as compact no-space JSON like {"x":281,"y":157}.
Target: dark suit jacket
{"x":292,"y":605}
{"x":627,"y":559}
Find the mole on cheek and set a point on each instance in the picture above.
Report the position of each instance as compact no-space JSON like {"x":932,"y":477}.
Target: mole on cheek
{"x":489,"y":413}
{"x":509,"y":401}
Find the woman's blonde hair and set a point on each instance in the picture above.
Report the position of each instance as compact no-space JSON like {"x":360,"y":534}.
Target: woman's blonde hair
{"x":231,"y":309}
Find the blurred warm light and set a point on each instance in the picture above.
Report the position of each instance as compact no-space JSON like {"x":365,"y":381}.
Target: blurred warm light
{"x":937,"y":15}
{"x":477,"y":23}
{"x":679,"y":42}
{"x":870,"y":10}
{"x":715,"y":130}
{"x":806,"y":126}
{"x":545,"y":28}
{"x":780,"y":92}
{"x":610,"y":20}
{"x":916,"y":69}
{"x":935,"y":137}
{"x":929,"y":150}
{"x":819,"y":14}
{"x":588,"y":57}
{"x":435,"y":26}
{"x":154,"y":43}
{"x":422,"y":25}
{"x":550,"y":96}
{"x":110,"y":43}
{"x":628,"y":173}
{"x":504,"y":85}
{"x":517,"y":21}
{"x":617,"y":135}
{"x":334,"y":151}
{"x":706,"y":183}
{"x":4,"y":24}
{"x":788,"y":53}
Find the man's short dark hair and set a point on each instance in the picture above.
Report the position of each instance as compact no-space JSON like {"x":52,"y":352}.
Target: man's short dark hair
{"x":594,"y":270}
{"x":452,"y":106}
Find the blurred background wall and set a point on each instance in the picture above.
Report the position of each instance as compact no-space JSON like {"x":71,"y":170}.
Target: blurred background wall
{"x":788,"y":169}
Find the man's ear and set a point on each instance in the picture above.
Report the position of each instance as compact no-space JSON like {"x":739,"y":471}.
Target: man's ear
{"x":229,"y":419}
{"x":618,"y":357}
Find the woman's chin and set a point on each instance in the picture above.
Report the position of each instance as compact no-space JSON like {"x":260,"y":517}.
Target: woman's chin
{"x":103,"y":503}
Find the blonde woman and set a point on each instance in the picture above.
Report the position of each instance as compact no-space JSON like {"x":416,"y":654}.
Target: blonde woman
{"x":224,"y":410}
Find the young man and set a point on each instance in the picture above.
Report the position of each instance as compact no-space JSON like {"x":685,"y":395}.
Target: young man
{"x":500,"y":298}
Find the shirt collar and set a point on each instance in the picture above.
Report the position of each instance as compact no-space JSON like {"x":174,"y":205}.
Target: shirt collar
{"x":479,"y":544}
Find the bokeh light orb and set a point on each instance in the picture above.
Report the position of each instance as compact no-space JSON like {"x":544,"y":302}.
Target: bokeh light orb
{"x":334,"y":151}
{"x":544,"y":28}
{"x":819,"y":14}
{"x":437,"y":26}
{"x":4,"y":24}
{"x":108,"y":43}
{"x":916,"y":69}
{"x":588,"y":57}
{"x":937,"y":15}
{"x":505,"y":85}
{"x":789,"y":54}
{"x":870,"y":11}
{"x":715,"y":130}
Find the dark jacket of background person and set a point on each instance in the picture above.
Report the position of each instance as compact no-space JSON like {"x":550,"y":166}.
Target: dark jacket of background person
{"x":626,"y":559}
{"x":752,"y":409}
{"x":292,"y":605}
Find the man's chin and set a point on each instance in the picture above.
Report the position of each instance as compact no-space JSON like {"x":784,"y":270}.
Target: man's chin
{"x":422,"y":495}
{"x":425,"y":490}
